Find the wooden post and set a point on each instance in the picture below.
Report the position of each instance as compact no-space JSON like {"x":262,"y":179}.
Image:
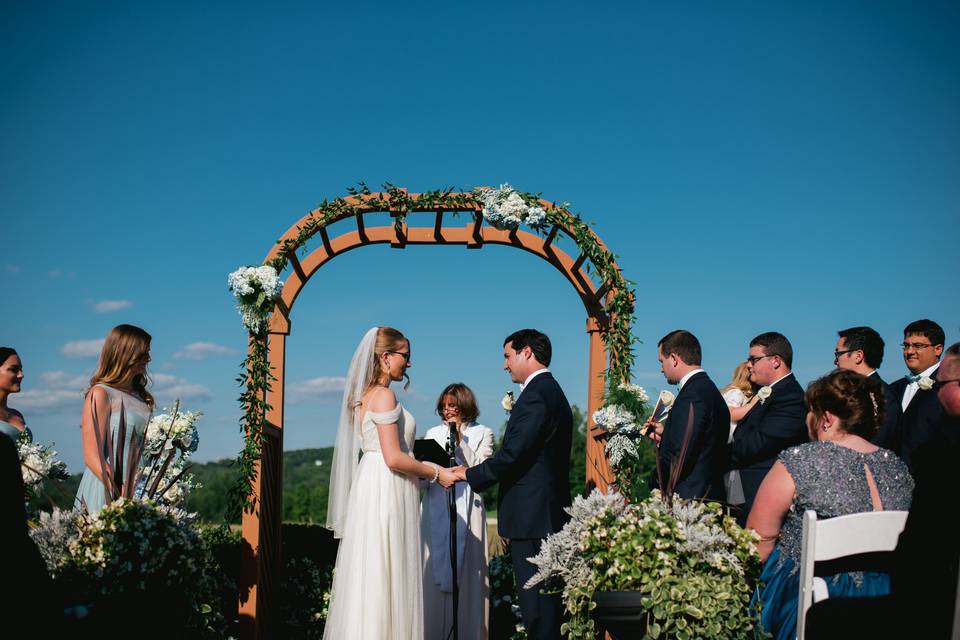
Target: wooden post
{"x":262,"y":527}
{"x":599,"y":475}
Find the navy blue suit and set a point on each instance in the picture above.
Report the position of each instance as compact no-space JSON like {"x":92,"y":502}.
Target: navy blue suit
{"x":770,"y":427}
{"x":532,"y":468}
{"x":888,"y":435}
{"x":921,"y":420}
{"x":705,"y":459}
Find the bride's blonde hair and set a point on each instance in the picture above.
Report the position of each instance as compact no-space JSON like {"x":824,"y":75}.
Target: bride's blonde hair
{"x":124,"y":347}
{"x":388,"y":340}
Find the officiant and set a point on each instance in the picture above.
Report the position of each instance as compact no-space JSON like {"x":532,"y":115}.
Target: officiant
{"x":456,"y":406}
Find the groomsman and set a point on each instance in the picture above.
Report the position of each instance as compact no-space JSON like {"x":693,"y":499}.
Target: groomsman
{"x":694,"y":437}
{"x":922,"y":345}
{"x":860,"y":349}
{"x":776,"y":422}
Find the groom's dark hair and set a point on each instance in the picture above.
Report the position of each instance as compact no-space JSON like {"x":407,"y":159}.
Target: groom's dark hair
{"x":538,"y":342}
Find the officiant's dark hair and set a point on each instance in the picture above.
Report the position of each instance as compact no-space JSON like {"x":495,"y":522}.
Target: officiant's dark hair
{"x":466,"y":401}
{"x":867,"y":340}
{"x":538,"y":342}
{"x":682,"y":344}
{"x":926,"y":328}
{"x":775,"y":344}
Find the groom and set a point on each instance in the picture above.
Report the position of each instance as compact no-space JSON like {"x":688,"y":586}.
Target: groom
{"x":532,"y":468}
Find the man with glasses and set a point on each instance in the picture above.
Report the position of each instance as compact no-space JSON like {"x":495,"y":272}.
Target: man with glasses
{"x":922,"y":345}
{"x":776,"y":422}
{"x":860,"y":349}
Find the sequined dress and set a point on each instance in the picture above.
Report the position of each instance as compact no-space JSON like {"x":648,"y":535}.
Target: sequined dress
{"x":831,"y":480}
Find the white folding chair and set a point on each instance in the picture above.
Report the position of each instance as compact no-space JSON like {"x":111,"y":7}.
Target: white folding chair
{"x":868,"y":532}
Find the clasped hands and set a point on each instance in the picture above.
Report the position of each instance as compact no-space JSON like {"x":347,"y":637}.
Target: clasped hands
{"x":449,"y":476}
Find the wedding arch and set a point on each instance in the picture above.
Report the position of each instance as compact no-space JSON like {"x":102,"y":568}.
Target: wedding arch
{"x":500,"y":216}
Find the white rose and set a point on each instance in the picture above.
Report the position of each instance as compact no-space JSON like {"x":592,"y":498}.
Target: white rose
{"x":925,"y":383}
{"x":667,"y":398}
{"x":764,"y":393}
{"x":507,"y":402}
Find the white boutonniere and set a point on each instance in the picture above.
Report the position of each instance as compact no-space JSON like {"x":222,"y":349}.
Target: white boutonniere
{"x":764,"y":393}
{"x":667,"y":398}
{"x":507,"y":402}
{"x":925,"y":383}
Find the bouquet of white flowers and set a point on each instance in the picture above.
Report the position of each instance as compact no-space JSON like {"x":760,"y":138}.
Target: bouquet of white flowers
{"x":38,"y":462}
{"x":256,"y":289}
{"x":504,"y":208}
{"x":165,"y":475}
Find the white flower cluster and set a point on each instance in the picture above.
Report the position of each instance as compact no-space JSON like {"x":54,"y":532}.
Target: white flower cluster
{"x":701,"y":532}
{"x":174,"y":486}
{"x":37,"y":462}
{"x":504,"y":208}
{"x":636,"y":390}
{"x":255,"y":289}
{"x":620,"y":448}
{"x":615,"y":418}
{"x":560,"y":555}
{"x":166,"y":432}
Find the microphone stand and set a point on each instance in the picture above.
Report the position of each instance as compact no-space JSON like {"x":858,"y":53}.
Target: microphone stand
{"x":452,"y":510}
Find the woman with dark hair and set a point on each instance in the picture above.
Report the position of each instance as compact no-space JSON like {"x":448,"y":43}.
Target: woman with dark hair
{"x":456,"y":406}
{"x":118,"y":388}
{"x":12,"y":423}
{"x":839,"y":473}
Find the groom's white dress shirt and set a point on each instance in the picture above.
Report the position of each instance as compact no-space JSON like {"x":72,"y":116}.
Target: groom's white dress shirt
{"x":912,"y":387}
{"x":531,"y":377}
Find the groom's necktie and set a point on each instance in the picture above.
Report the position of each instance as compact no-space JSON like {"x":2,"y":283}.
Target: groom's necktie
{"x":914,"y":377}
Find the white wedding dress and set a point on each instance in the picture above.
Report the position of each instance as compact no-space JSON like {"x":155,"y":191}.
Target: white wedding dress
{"x":377,"y":585}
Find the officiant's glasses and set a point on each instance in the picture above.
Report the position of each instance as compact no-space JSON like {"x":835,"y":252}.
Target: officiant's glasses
{"x":916,"y":346}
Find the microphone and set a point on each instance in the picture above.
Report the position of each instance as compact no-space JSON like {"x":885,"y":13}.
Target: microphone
{"x":452,"y":439}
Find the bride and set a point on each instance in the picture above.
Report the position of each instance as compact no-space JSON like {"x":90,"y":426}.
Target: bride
{"x":374,"y":504}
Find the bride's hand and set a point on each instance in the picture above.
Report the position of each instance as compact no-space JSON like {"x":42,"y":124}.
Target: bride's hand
{"x":446,"y":478}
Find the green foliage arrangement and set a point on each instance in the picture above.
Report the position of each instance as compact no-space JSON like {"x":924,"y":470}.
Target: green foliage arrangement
{"x":132,"y":553}
{"x":618,"y":300}
{"x":693,"y":565}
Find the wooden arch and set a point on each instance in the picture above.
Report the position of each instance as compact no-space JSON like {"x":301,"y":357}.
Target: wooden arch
{"x":262,"y":525}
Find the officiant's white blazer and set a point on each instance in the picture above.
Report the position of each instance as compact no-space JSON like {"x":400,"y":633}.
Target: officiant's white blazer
{"x":476,"y":447}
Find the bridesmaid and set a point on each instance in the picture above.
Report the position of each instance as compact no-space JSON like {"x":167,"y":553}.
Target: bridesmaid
{"x":12,"y":423}
{"x":118,"y":384}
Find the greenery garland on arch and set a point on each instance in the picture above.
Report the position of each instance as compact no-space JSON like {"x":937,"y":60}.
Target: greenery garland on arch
{"x":258,"y":291}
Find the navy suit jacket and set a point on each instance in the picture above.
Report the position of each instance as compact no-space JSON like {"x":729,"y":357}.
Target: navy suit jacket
{"x":888,"y":435}
{"x":921,"y":420}
{"x":533,"y":464}
{"x":701,"y":475}
{"x":777,"y":424}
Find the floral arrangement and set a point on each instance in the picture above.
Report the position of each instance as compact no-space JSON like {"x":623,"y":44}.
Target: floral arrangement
{"x":256,"y":289}
{"x":693,"y":565}
{"x":504,"y":603}
{"x":37,"y":463}
{"x":134,"y":548}
{"x":504,"y":208}
{"x":624,"y":411}
{"x":171,"y":437}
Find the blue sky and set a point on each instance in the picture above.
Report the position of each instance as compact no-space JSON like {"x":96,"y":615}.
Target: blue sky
{"x":755,"y":167}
